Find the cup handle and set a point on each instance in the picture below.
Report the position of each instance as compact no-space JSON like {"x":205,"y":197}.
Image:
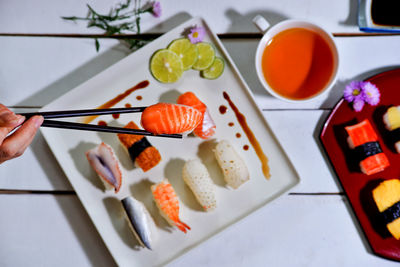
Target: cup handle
{"x":261,"y":23}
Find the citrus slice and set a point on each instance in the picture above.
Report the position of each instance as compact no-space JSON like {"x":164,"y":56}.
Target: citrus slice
{"x":185,"y":50}
{"x":215,"y":70}
{"x":166,"y":66}
{"x":206,"y":56}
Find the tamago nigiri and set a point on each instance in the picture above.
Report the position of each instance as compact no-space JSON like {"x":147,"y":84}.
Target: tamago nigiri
{"x":166,"y":118}
{"x":168,"y":204}
{"x":392,"y":122}
{"x":206,"y":127}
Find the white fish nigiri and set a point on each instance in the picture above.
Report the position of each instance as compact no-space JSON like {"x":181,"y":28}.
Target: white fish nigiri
{"x":140,"y":222}
{"x":106,"y":165}
{"x":196,"y":176}
{"x":233,"y":166}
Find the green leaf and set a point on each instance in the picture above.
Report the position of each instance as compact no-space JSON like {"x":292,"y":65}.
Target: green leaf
{"x":97,"y":44}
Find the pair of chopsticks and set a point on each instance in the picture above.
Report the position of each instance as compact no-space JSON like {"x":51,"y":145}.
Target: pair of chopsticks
{"x":91,"y":127}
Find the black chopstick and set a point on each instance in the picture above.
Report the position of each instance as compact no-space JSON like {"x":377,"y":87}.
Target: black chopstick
{"x":83,"y":112}
{"x":99,"y":128}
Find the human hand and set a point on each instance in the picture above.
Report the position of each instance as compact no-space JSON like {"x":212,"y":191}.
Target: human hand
{"x":14,"y":145}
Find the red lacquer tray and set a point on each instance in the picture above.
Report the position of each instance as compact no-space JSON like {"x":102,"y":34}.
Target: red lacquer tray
{"x":358,"y":186}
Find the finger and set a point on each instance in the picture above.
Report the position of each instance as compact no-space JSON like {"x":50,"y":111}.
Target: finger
{"x":9,"y":118}
{"x":14,"y":145}
{"x":5,"y":130}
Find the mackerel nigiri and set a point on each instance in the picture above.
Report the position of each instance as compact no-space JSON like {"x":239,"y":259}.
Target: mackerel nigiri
{"x":165,"y":118}
{"x":140,"y":221}
{"x":106,"y":165}
{"x":206,"y":127}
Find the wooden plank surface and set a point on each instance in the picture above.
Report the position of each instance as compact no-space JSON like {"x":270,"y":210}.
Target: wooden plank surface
{"x":38,"y":70}
{"x":291,"y":231}
{"x":303,"y":150}
{"x":44,"y":16}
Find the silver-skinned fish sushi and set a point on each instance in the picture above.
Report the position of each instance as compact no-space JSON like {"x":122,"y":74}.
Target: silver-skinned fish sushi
{"x":196,"y":176}
{"x":106,"y":165}
{"x":140,"y":222}
{"x":232,"y":165}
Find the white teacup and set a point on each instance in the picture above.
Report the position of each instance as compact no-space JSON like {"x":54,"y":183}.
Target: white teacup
{"x":271,"y":32}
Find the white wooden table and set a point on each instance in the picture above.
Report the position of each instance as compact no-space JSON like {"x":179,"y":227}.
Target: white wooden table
{"x":42,"y":222}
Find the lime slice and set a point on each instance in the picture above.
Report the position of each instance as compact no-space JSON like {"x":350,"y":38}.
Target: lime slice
{"x":185,"y":50}
{"x":206,"y":56}
{"x":215,"y":70}
{"x":166,"y":66}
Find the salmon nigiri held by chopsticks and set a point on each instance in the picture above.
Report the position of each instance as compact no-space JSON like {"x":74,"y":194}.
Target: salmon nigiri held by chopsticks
{"x":168,"y":204}
{"x":165,"y":118}
{"x":206,"y":127}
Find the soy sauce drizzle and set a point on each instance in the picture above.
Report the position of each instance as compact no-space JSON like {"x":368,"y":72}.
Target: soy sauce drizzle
{"x":238,"y":135}
{"x":139,"y":97}
{"x":128,"y":105}
{"x":102,"y":123}
{"x":222,"y":109}
{"x":250,"y":135}
{"x":231,"y":124}
{"x":118,"y":98}
{"x":246,"y":147}
{"x":115,"y":116}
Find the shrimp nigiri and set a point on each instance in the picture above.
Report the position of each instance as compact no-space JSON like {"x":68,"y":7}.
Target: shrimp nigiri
{"x":165,"y":118}
{"x":168,"y":204}
{"x":206,"y":127}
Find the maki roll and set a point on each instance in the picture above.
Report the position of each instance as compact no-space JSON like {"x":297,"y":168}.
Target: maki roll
{"x":387,"y":198}
{"x":392,"y":123}
{"x":364,"y":142}
{"x":142,"y":153}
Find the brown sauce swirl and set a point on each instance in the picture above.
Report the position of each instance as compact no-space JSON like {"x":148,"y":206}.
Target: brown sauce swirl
{"x":118,"y":98}
{"x":250,"y":135}
{"x":222,"y":109}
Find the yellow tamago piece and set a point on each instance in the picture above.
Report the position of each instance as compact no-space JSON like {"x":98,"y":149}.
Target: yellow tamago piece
{"x":386,"y":194}
{"x":394,"y":117}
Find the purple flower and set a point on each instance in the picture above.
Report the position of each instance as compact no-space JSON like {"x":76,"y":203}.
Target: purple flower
{"x":352,"y":92}
{"x":360,"y":92}
{"x":371,"y":93}
{"x":358,"y":105}
{"x":156,"y":9}
{"x":196,"y":34}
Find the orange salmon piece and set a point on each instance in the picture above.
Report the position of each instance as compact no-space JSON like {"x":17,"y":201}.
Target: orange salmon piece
{"x":206,"y":127}
{"x":165,"y":118}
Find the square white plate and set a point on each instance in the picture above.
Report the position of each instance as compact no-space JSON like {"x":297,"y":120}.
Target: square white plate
{"x":104,"y":208}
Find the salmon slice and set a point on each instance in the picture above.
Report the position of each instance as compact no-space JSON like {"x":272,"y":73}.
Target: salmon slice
{"x":165,"y":118}
{"x":206,"y":127}
{"x":360,"y":134}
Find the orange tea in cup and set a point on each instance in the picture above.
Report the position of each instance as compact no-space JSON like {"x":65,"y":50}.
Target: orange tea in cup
{"x":297,"y":63}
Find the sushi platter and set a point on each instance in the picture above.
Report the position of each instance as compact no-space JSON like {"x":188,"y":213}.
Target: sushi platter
{"x":198,"y":222}
{"x":363,"y":185}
